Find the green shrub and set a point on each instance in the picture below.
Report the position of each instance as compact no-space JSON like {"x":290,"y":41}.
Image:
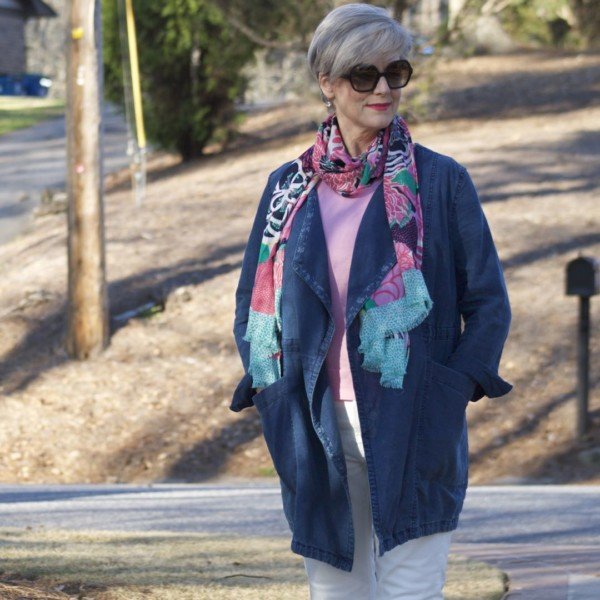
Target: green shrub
{"x":190,"y":63}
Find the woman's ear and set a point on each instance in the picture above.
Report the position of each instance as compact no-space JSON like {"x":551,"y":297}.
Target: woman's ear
{"x":326,"y":87}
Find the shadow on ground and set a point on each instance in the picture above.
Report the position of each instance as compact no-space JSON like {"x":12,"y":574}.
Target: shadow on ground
{"x":520,"y":93}
{"x":43,"y":348}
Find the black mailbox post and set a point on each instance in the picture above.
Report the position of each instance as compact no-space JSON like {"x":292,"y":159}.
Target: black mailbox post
{"x":583,"y":280}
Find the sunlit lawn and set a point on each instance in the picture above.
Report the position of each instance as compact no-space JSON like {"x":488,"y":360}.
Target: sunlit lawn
{"x":17,"y":112}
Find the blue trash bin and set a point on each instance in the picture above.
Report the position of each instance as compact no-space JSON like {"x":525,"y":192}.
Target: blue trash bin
{"x":27,"y":84}
{"x":35,"y":84}
{"x":7,"y":85}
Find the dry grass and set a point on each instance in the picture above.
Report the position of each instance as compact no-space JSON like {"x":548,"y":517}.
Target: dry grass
{"x":153,"y":406}
{"x":61,"y":565}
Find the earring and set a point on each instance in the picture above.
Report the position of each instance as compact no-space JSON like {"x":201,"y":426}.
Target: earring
{"x":326,"y":100}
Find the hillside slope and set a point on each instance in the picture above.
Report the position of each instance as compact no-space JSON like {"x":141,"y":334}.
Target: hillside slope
{"x":153,"y":406}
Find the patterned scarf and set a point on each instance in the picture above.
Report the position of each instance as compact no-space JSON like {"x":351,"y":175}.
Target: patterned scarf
{"x":400,"y":303}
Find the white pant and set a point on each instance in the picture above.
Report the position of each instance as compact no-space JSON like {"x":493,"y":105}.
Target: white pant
{"x":414,"y":570}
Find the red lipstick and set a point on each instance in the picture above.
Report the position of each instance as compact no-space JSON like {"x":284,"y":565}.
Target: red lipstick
{"x":379,"y":106}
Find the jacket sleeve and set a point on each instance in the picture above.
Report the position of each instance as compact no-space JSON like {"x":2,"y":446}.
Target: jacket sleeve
{"x":242,"y":397}
{"x":482,"y":295}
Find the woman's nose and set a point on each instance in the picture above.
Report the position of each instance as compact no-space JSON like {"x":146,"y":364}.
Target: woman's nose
{"x":382,"y":86}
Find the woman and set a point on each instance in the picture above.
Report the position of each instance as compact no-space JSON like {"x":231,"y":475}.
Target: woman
{"x":364,"y":254}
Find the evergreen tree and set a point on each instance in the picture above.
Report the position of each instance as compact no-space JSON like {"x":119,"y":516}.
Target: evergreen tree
{"x":190,"y":60}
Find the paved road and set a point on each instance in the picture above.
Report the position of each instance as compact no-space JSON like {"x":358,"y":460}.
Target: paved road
{"x":546,"y":537}
{"x":33,"y":159}
{"x":531,"y":514}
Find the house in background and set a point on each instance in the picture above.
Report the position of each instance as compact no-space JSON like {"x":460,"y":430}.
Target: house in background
{"x":13,"y":16}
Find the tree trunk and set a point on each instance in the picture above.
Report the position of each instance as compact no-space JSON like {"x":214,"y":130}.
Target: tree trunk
{"x":587,"y":13}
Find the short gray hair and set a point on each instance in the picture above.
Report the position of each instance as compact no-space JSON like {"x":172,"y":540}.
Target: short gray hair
{"x":356,"y":33}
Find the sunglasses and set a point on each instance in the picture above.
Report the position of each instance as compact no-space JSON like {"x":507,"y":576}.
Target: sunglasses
{"x":364,"y":78}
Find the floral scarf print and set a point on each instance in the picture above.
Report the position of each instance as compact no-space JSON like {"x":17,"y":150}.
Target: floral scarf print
{"x":402,"y":300}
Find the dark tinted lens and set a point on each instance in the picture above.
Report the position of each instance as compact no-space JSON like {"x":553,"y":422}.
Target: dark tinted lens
{"x":364,"y":79}
{"x":398,"y":73}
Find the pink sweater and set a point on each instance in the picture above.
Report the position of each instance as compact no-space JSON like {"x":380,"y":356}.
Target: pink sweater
{"x":341,"y":218}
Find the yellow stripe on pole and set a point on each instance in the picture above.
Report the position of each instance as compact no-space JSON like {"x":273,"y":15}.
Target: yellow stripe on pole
{"x":135,"y":76}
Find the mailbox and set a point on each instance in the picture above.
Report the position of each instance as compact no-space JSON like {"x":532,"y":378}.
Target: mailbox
{"x":583,"y":277}
{"x":583,"y":280}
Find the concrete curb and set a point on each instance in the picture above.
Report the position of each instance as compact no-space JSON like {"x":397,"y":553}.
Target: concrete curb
{"x":538,"y":572}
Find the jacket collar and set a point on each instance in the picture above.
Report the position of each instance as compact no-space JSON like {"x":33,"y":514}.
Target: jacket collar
{"x":372,"y":258}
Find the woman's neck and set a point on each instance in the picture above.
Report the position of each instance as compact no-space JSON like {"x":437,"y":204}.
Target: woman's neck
{"x":356,"y":139}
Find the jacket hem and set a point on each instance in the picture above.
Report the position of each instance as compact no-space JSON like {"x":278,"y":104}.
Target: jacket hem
{"x":411,"y":533}
{"x":339,"y":562}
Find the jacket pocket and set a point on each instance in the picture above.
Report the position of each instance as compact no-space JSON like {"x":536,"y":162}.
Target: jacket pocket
{"x":443,"y":449}
{"x":453,"y":378}
{"x":271,"y":393}
{"x":273,"y":404}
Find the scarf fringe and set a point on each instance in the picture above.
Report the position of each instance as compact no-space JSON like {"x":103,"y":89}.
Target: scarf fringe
{"x":395,"y":361}
{"x":384,"y":330}
{"x":261,"y":333}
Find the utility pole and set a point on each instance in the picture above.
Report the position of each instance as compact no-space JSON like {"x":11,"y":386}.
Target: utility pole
{"x":88,"y":330}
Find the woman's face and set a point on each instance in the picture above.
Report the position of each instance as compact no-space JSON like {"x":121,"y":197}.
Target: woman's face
{"x":362,"y":114}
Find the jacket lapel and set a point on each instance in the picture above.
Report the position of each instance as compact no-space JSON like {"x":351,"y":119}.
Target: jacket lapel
{"x":373,"y":255}
{"x":372,"y":258}
{"x":310,"y":258}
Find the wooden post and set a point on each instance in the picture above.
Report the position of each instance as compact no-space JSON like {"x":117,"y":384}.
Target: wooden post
{"x":88,"y":330}
{"x":583,"y":366}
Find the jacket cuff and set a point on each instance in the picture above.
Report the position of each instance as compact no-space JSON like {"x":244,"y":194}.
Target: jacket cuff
{"x":489,"y":383}
{"x":242,"y":397}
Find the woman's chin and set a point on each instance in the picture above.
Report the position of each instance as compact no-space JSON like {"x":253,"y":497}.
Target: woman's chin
{"x":379,"y":120}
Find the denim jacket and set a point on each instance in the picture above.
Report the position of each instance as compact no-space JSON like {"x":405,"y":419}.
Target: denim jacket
{"x":415,"y":438}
